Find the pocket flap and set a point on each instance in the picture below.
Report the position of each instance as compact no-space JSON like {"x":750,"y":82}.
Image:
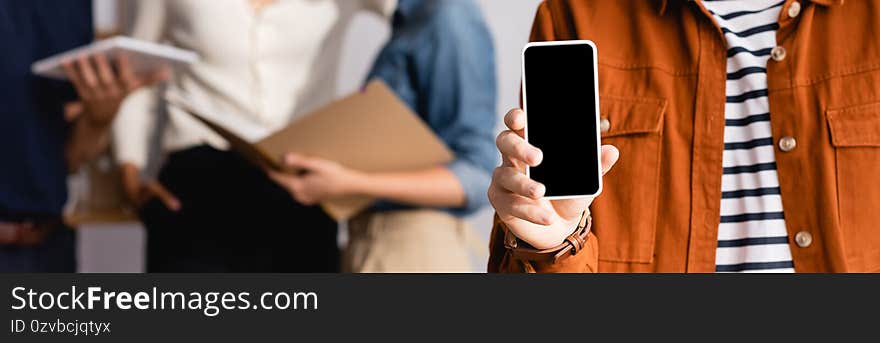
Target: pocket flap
{"x":627,"y":116}
{"x":855,"y":126}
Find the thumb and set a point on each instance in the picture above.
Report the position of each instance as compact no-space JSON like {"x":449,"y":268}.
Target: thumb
{"x":162,"y":74}
{"x":610,"y":155}
{"x":147,"y":79}
{"x":570,"y":209}
{"x":297,"y":164}
{"x":73,"y":110}
{"x":164,"y":195}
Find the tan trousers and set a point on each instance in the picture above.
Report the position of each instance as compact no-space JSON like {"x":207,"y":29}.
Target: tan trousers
{"x":411,"y":241}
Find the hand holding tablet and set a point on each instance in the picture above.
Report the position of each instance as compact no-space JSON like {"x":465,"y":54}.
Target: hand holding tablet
{"x":105,"y":72}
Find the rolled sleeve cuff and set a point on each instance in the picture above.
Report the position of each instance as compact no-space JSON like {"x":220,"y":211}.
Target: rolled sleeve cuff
{"x":474,"y":181}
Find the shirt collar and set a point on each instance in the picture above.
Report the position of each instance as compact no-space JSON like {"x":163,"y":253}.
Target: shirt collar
{"x":664,"y":3}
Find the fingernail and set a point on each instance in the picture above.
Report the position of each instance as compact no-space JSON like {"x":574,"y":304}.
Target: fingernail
{"x":518,"y":121}
{"x":535,"y":157}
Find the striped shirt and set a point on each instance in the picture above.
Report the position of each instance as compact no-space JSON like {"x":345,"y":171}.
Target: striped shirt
{"x":752,"y":236}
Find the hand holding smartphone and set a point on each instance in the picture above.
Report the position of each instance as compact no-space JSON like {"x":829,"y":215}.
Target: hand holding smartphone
{"x":552,"y":159}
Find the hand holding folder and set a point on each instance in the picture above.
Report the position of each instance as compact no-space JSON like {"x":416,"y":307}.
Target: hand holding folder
{"x":369,"y":131}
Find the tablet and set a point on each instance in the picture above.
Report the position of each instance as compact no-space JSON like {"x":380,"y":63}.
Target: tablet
{"x":144,"y":56}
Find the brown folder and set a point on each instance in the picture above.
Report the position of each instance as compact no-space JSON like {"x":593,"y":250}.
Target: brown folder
{"x":371,"y":131}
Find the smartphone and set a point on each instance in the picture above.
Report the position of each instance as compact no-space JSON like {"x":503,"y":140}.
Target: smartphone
{"x":561,"y":102}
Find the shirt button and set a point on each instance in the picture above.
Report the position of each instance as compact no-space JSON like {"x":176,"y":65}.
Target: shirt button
{"x":787,"y":143}
{"x":604,"y":125}
{"x":803,"y":239}
{"x":794,"y":9}
{"x":778,"y":53}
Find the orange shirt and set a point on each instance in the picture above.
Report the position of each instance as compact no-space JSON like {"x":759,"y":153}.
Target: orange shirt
{"x":662,"y":73}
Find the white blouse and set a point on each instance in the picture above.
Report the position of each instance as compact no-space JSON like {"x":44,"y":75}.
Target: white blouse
{"x":262,"y":69}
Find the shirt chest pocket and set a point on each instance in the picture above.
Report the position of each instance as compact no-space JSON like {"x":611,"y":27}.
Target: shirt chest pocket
{"x":855,"y":136}
{"x":625,"y":214}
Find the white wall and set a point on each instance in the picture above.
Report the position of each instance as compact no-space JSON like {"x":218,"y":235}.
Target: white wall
{"x":119,"y":248}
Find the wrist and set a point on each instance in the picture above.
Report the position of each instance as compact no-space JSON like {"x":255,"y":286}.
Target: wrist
{"x":569,"y":246}
{"x":358,"y":183}
{"x":100,"y":113}
{"x":96,"y":125}
{"x":129,"y":170}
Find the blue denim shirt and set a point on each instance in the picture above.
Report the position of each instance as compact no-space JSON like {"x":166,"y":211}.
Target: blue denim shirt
{"x":440,"y":60}
{"x":33,"y":132}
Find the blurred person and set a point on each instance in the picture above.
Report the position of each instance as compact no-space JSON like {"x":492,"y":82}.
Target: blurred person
{"x":440,"y":61}
{"x":263,"y":64}
{"x":744,"y":135}
{"x":49,"y":128}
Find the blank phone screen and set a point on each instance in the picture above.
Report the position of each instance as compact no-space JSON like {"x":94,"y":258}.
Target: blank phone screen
{"x":560,"y":105}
